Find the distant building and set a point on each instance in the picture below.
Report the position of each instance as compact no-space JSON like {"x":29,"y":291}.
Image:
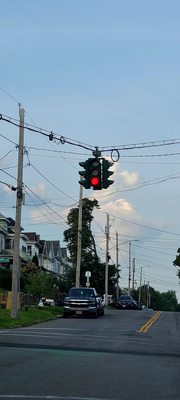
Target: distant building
{"x":51,"y":256}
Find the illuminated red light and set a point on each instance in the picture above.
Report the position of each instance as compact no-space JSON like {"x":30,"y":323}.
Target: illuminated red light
{"x":94,"y":181}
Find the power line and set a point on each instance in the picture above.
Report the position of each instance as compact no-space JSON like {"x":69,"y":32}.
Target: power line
{"x":50,"y":208}
{"x":8,"y":174}
{"x":9,"y":95}
{"x":10,"y":151}
{"x":52,"y":184}
{"x":144,"y":226}
{"x":62,"y":139}
{"x":8,"y":139}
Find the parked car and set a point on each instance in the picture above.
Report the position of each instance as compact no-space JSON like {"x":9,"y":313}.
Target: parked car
{"x":139,"y":305}
{"x":46,"y":302}
{"x":83,"y":301}
{"x":126,"y":302}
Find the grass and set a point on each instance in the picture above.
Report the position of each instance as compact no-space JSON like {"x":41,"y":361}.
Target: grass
{"x":28,"y":316}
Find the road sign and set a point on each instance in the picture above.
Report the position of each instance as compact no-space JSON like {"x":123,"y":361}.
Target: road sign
{"x":4,"y":260}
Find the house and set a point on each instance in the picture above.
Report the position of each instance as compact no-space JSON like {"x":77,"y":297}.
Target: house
{"x":50,"y":255}
{"x":33,"y":244}
{"x":7,"y":229}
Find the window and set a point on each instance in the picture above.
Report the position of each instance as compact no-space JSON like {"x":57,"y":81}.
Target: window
{"x":29,"y":250}
{"x":2,"y":242}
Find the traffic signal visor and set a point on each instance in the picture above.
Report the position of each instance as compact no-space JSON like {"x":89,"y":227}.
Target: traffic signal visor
{"x":106,"y":173}
{"x":85,"y":174}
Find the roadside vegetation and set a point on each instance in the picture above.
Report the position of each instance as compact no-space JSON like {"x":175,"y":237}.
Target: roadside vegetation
{"x":28,"y":316}
{"x":37,"y":283}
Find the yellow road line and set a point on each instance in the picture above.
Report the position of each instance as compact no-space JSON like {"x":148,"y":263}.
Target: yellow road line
{"x":148,"y":324}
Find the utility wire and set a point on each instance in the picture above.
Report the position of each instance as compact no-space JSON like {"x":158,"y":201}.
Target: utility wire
{"x":9,"y":95}
{"x":8,"y":174}
{"x":8,"y":139}
{"x":62,"y":139}
{"x":50,"y":208}
{"x":144,"y":226}
{"x":10,"y":151}
{"x":52,"y":184}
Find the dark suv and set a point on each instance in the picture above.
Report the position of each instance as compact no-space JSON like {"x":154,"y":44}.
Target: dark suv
{"x":126,"y":302}
{"x":83,"y":301}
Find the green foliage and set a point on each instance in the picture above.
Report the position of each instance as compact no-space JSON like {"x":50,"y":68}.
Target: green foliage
{"x":165,"y":301}
{"x":71,"y":234}
{"x":28,"y":316}
{"x":39,"y":284}
{"x":176,"y":262}
{"x":89,"y":258}
{"x":5,"y":279}
{"x":35,"y":260}
{"x":168,"y":301}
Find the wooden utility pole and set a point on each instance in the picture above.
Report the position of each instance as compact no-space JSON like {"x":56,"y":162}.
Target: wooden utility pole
{"x":107,"y":259}
{"x":117,"y":266}
{"x":19,"y":197}
{"x":129,"y":279}
{"x":140,"y":285}
{"x":133,"y":274}
{"x":78,"y":264}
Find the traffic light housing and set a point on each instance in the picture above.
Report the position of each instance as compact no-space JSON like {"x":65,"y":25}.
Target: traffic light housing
{"x":92,"y":174}
{"x":85,"y":174}
{"x":106,"y":173}
{"x":95,"y":173}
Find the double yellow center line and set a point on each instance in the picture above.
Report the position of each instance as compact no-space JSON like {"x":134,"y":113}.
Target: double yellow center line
{"x":148,"y":324}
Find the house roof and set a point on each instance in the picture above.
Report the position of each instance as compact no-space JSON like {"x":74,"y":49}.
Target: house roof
{"x":32,"y":236}
{"x":11,"y":223}
{"x":2,"y":216}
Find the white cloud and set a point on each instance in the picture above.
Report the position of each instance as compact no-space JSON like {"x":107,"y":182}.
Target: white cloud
{"x":129,"y":178}
{"x":39,"y":189}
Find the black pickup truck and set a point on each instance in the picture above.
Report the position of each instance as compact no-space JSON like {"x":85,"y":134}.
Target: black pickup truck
{"x":83,"y":301}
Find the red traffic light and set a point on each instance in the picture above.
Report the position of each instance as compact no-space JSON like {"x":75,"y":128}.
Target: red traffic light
{"x":95,"y":181}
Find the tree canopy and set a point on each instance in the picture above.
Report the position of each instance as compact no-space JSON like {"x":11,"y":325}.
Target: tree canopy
{"x":176,"y":262}
{"x":89,"y":258}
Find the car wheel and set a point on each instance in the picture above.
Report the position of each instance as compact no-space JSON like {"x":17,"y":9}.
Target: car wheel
{"x":95,"y":315}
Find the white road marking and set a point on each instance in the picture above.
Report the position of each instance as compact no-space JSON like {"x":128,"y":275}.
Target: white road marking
{"x":21,"y":396}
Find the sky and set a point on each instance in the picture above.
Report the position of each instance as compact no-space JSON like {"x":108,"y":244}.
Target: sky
{"x":100,"y":73}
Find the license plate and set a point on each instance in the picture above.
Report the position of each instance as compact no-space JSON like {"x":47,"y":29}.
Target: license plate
{"x":124,"y":305}
{"x":79,"y":312}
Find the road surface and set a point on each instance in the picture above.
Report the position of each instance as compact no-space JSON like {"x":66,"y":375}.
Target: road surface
{"x":124,"y":355}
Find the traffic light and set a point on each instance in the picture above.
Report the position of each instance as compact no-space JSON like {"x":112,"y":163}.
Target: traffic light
{"x":95,"y":173}
{"x":106,"y":173}
{"x":85,"y":174}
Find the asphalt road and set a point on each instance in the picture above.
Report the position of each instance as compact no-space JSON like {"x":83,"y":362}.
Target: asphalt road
{"x":124,"y":355}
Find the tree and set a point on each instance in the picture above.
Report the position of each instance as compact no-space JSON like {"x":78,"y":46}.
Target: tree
{"x":71,"y":234}
{"x":89,"y":258}
{"x":169,"y":301}
{"x":176,"y":262}
{"x":39,"y":284}
{"x":165,"y":301}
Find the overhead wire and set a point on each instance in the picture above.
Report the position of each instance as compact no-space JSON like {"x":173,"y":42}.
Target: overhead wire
{"x":62,"y":139}
{"x":50,"y":208}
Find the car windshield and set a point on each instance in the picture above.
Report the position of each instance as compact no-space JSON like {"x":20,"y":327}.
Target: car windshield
{"x":78,"y":293}
{"x":125,"y":297}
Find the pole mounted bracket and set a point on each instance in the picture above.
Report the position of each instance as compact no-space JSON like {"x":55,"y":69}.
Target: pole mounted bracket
{"x":96,"y":152}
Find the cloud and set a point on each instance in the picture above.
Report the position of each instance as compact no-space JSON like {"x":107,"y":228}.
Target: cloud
{"x":39,"y":189}
{"x":129,"y":178}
